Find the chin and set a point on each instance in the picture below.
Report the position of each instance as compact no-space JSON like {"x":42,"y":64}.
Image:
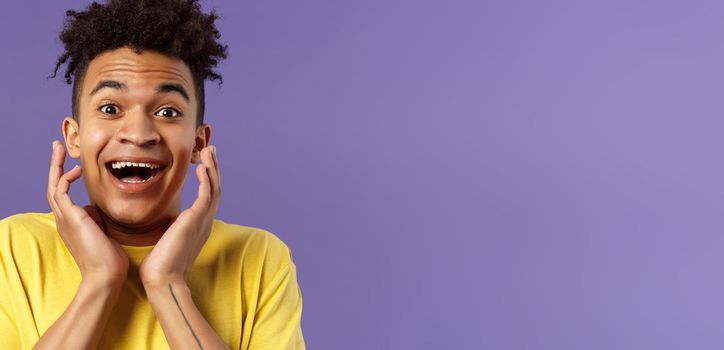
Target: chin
{"x":134,"y":215}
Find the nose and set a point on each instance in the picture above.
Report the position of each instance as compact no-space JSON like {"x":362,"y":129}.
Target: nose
{"x":138,"y":128}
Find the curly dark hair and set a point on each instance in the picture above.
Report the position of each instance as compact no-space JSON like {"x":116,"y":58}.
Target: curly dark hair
{"x":176,"y":28}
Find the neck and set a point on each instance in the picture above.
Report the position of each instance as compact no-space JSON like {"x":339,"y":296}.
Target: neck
{"x":135,"y":235}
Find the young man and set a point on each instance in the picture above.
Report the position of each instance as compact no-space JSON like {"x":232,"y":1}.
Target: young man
{"x":131,"y":270}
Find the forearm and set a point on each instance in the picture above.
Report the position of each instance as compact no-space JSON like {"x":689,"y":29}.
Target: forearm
{"x":82,"y":323}
{"x":183,"y":324}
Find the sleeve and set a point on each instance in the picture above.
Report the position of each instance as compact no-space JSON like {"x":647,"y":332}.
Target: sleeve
{"x":278,"y":316}
{"x":8,"y":330}
{"x":8,"y":327}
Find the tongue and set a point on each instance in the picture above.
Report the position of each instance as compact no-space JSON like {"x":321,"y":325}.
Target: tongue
{"x":133,"y":178}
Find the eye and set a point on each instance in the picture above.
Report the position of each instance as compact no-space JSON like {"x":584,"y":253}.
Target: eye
{"x":109,"y":109}
{"x":168,"y":112}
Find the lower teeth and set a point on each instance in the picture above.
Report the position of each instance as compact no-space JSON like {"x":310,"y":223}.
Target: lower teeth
{"x":136,"y":181}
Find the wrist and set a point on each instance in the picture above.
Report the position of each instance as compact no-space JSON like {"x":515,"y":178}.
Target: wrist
{"x":102,"y":282}
{"x":162,"y":282}
{"x":102,"y":289}
{"x":159,"y":289}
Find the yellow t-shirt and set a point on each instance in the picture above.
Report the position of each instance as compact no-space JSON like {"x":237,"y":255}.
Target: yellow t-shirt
{"x":243,"y":282}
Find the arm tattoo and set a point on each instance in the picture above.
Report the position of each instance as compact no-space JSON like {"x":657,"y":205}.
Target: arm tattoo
{"x":184,"y":315}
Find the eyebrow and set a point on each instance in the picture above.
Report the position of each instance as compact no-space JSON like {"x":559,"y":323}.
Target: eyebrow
{"x":112,"y":84}
{"x":163,"y":88}
{"x":168,"y":87}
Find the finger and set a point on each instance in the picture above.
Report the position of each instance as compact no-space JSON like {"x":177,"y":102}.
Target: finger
{"x":57,"y":160}
{"x":213,"y":171}
{"x":217,"y":169}
{"x":54,"y":207}
{"x":61,"y":192}
{"x":56,"y":168}
{"x":213,"y":174}
{"x":204,"y":196}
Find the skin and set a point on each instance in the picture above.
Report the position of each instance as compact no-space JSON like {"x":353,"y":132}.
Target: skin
{"x":133,"y":117}
{"x":125,"y":122}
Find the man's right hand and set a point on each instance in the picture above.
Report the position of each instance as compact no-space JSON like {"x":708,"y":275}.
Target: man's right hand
{"x":99,"y":258}
{"x":103,"y":264}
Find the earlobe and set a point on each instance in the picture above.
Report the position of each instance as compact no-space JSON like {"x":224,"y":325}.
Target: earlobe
{"x":71,"y":134}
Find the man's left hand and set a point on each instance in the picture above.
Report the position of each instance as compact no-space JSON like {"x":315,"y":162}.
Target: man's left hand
{"x":172,"y":257}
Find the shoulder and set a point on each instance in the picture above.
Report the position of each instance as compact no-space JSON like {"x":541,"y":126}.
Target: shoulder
{"x":257,"y":245}
{"x":27,"y":225}
{"x":28,"y":232}
{"x":31,"y":219}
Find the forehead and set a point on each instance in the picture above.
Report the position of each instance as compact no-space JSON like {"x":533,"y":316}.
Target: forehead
{"x":131,"y":68}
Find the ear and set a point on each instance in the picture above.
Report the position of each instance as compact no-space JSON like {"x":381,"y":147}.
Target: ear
{"x":202,"y":139}
{"x":71,"y":133}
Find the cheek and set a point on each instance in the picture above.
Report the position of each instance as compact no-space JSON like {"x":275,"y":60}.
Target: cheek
{"x":182,"y":164}
{"x":91,"y":143}
{"x":181,"y":144}
{"x":184,"y":157}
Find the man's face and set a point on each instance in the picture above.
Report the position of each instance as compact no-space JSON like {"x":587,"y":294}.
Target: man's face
{"x":136,"y":134}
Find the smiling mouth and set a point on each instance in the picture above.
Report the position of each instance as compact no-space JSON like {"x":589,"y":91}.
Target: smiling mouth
{"x":131,"y":172}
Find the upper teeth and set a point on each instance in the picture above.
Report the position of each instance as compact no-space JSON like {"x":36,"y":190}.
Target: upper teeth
{"x":119,"y":165}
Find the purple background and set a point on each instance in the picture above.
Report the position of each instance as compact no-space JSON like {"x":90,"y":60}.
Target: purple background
{"x":453,"y":174}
